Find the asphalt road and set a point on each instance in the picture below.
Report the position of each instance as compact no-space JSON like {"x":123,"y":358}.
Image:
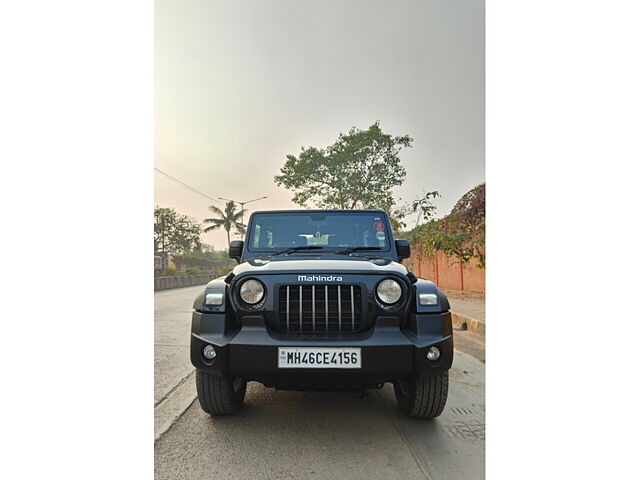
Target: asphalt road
{"x":281,"y":434}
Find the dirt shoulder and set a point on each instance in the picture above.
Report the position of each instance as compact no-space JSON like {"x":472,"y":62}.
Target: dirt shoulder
{"x":469,"y":304}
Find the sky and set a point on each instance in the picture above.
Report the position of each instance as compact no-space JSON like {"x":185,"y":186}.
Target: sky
{"x":239,"y":85}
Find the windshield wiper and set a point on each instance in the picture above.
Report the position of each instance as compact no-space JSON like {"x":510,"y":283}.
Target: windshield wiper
{"x":356,"y":249}
{"x":295,"y":249}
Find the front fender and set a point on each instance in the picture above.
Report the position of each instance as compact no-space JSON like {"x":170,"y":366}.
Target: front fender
{"x":426,"y":286}
{"x":217,"y":285}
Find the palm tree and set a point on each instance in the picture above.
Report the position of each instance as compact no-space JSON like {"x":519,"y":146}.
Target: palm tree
{"x":228,"y":219}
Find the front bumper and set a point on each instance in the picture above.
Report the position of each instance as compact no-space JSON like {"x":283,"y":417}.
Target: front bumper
{"x":388,"y":352}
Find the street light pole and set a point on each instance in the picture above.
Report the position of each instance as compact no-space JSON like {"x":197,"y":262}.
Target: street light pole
{"x":242,"y":204}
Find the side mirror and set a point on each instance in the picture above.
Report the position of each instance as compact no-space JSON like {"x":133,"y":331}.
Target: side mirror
{"x":403,"y":248}
{"x":235,"y":249}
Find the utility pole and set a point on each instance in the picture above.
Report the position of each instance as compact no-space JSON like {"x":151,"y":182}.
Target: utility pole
{"x":242,"y":204}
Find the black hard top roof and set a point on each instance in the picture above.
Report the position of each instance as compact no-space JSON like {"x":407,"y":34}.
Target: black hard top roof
{"x":310,"y":210}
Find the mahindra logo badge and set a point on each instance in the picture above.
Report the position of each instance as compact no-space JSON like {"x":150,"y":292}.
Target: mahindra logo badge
{"x":319,"y":278}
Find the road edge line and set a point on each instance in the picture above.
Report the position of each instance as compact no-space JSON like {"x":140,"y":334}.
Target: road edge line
{"x":173,"y":406}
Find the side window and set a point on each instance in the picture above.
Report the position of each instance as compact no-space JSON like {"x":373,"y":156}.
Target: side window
{"x":371,"y":238}
{"x":256,"y":236}
{"x":262,"y":237}
{"x":365,"y":238}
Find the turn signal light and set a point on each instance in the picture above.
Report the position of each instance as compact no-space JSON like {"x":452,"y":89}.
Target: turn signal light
{"x":428,"y":299}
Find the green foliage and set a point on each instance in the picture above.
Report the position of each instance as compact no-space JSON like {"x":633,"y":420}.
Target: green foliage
{"x":357,"y":171}
{"x":175,"y":232}
{"x":169,"y":271}
{"x":461,"y":233}
{"x":227,"y":219}
{"x":423,"y":206}
{"x":205,"y":259}
{"x":191,"y":271}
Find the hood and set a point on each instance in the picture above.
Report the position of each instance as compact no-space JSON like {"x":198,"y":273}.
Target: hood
{"x":307,"y":264}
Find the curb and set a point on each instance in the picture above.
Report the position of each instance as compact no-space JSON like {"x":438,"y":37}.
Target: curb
{"x":169,"y":410}
{"x":462,"y":322}
{"x":166,"y":283}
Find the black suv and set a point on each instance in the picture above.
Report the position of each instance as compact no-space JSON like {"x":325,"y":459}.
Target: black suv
{"x":320,"y":301}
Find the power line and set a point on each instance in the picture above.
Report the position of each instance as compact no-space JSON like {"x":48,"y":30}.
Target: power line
{"x":242,"y":204}
{"x":185,"y":185}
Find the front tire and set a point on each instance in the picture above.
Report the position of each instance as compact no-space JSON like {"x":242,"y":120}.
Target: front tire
{"x":424,"y":396}
{"x":220,"y":395}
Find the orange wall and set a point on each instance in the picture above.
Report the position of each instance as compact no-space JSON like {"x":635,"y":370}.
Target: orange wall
{"x":446,"y":272}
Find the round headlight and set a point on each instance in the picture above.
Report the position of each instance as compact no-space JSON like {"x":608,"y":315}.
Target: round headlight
{"x":389,"y":291}
{"x":251,"y":291}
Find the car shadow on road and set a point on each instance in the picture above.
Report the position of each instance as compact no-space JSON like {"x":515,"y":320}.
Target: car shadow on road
{"x":304,"y":413}
{"x":285,"y":434}
{"x":289,"y":434}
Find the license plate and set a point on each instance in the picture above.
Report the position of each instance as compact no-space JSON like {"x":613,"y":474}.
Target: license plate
{"x":312,"y":357}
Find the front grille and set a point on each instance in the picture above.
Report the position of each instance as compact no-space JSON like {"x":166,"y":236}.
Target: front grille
{"x":320,"y":308}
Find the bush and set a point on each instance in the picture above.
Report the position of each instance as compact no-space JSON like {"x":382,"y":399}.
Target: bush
{"x":461,"y":233}
{"x":169,"y":271}
{"x":191,"y":271}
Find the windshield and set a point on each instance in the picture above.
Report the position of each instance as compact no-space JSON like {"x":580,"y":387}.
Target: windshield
{"x":277,"y":231}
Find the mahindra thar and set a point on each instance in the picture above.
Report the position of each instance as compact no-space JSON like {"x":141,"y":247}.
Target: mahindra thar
{"x":320,"y":300}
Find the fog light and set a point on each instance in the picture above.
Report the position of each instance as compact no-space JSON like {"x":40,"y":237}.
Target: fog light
{"x":209,"y":352}
{"x":433,"y":353}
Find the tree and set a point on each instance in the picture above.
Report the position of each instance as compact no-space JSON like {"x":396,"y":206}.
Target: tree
{"x":226,"y":219}
{"x":206,"y":259}
{"x":422,"y":206}
{"x":357,"y":171}
{"x":174,"y":232}
{"x":461,"y":233}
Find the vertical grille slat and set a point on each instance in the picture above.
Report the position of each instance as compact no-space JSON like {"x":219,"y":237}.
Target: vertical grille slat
{"x":353,"y":312}
{"x":339,"y":310}
{"x":326,"y":307}
{"x":300,"y":302}
{"x":313,"y":306}
{"x":340,"y":305}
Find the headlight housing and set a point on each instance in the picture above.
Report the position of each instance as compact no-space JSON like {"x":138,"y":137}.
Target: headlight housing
{"x":251,"y":291}
{"x":389,"y":291}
